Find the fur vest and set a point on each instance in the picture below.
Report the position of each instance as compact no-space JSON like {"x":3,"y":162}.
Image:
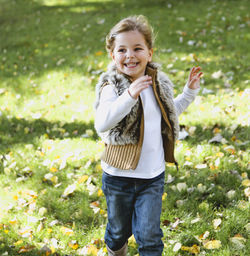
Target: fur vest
{"x":128,"y":129}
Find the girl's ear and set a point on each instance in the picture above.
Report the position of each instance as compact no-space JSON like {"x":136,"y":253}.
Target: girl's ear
{"x":150,"y":54}
{"x":112,"y":55}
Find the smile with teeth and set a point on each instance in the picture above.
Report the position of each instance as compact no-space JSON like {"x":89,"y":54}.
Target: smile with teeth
{"x":131,"y":65}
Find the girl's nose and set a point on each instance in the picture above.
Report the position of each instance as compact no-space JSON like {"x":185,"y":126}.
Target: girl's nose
{"x":130,"y":54}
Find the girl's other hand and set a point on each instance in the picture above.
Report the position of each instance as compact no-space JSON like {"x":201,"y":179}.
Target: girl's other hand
{"x":194,"y":78}
{"x":139,"y":85}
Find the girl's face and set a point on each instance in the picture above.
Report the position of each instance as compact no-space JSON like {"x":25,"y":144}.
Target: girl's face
{"x":131,"y":54}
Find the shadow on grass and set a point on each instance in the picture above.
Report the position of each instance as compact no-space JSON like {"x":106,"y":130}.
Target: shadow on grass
{"x":17,"y":131}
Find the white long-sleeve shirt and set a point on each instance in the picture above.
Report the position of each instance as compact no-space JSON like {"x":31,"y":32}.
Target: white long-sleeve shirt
{"x":112,"y":109}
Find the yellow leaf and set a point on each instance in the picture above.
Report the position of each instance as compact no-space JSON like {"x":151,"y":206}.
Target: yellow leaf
{"x":6,"y":231}
{"x":53,"y":169}
{"x":244,"y":175}
{"x":73,"y":245}
{"x":49,"y":230}
{"x":54,"y":179}
{"x":100,"y":193}
{"x":195,"y":249}
{"x":98,"y":167}
{"x":18,"y":242}
{"x":92,"y":250}
{"x":102,"y":212}
{"x":213,"y":244}
{"x":216,"y":130}
{"x":246,"y":183}
{"x":132,"y":241}
{"x":219,"y":154}
{"x":83,"y":179}
{"x":164,"y":196}
{"x":13,"y":221}
{"x":67,"y":231}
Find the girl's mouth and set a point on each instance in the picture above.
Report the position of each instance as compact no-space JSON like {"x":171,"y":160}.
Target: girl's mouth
{"x":131,"y":65}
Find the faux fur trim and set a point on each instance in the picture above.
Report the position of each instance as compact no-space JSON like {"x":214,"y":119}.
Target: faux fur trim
{"x":127,"y":130}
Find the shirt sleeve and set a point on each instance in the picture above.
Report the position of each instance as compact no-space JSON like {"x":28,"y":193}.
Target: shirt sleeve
{"x":112,"y":108}
{"x":183,"y":100}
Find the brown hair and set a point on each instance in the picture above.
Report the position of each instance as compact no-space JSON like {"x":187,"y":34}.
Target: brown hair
{"x":132,"y":23}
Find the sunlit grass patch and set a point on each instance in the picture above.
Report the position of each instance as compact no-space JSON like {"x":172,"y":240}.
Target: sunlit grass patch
{"x":52,"y":54}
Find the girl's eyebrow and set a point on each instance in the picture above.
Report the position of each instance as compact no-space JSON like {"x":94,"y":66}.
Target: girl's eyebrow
{"x":120,"y":46}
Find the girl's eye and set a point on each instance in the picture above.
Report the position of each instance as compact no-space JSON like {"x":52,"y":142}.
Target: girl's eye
{"x":138,"y":49}
{"x":121,"y":50}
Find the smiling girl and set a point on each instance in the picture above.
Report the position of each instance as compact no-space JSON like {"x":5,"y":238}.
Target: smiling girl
{"x":137,"y":118}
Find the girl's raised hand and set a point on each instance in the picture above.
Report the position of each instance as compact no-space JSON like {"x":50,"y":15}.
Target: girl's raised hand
{"x":139,"y":85}
{"x":194,"y":78}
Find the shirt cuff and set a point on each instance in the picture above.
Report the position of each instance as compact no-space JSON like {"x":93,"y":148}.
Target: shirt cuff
{"x":191,"y":92}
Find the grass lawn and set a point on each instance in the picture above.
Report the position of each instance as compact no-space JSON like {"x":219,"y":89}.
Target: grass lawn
{"x":51,"y":55}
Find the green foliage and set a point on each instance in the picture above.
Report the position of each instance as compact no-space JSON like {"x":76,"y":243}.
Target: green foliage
{"x":52,"y":53}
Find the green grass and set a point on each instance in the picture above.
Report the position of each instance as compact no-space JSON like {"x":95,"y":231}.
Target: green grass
{"x":52,"y":53}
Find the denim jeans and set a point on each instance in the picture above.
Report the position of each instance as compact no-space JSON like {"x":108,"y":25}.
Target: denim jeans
{"x":134,"y":207}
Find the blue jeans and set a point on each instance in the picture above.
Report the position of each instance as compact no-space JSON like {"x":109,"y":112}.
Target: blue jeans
{"x":134,"y":207}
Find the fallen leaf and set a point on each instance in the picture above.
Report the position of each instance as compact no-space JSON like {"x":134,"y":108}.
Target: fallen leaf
{"x":183,"y":134}
{"x":177,"y":247}
{"x":25,"y":232}
{"x":181,"y":187}
{"x":217,"y":138}
{"x":247,"y":192}
{"x":67,"y":231}
{"x":26,"y":248}
{"x":195,"y":220}
{"x":216,"y":223}
{"x":74,"y":245}
{"x":204,"y":236}
{"x":238,"y":241}
{"x":83,"y":179}
{"x":201,"y":188}
{"x":213,"y":244}
{"x":231,"y":194}
{"x":230,"y":149}
{"x":170,"y":179}
{"x":100,"y":193}
{"x":246,"y":183}
{"x":201,"y":166}
{"x":69,"y":190}
{"x":164,"y":196}
{"x":218,"y":74}
{"x":195,"y":249}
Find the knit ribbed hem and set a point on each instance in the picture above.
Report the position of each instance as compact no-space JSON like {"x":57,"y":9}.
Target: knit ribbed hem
{"x":125,"y":157}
